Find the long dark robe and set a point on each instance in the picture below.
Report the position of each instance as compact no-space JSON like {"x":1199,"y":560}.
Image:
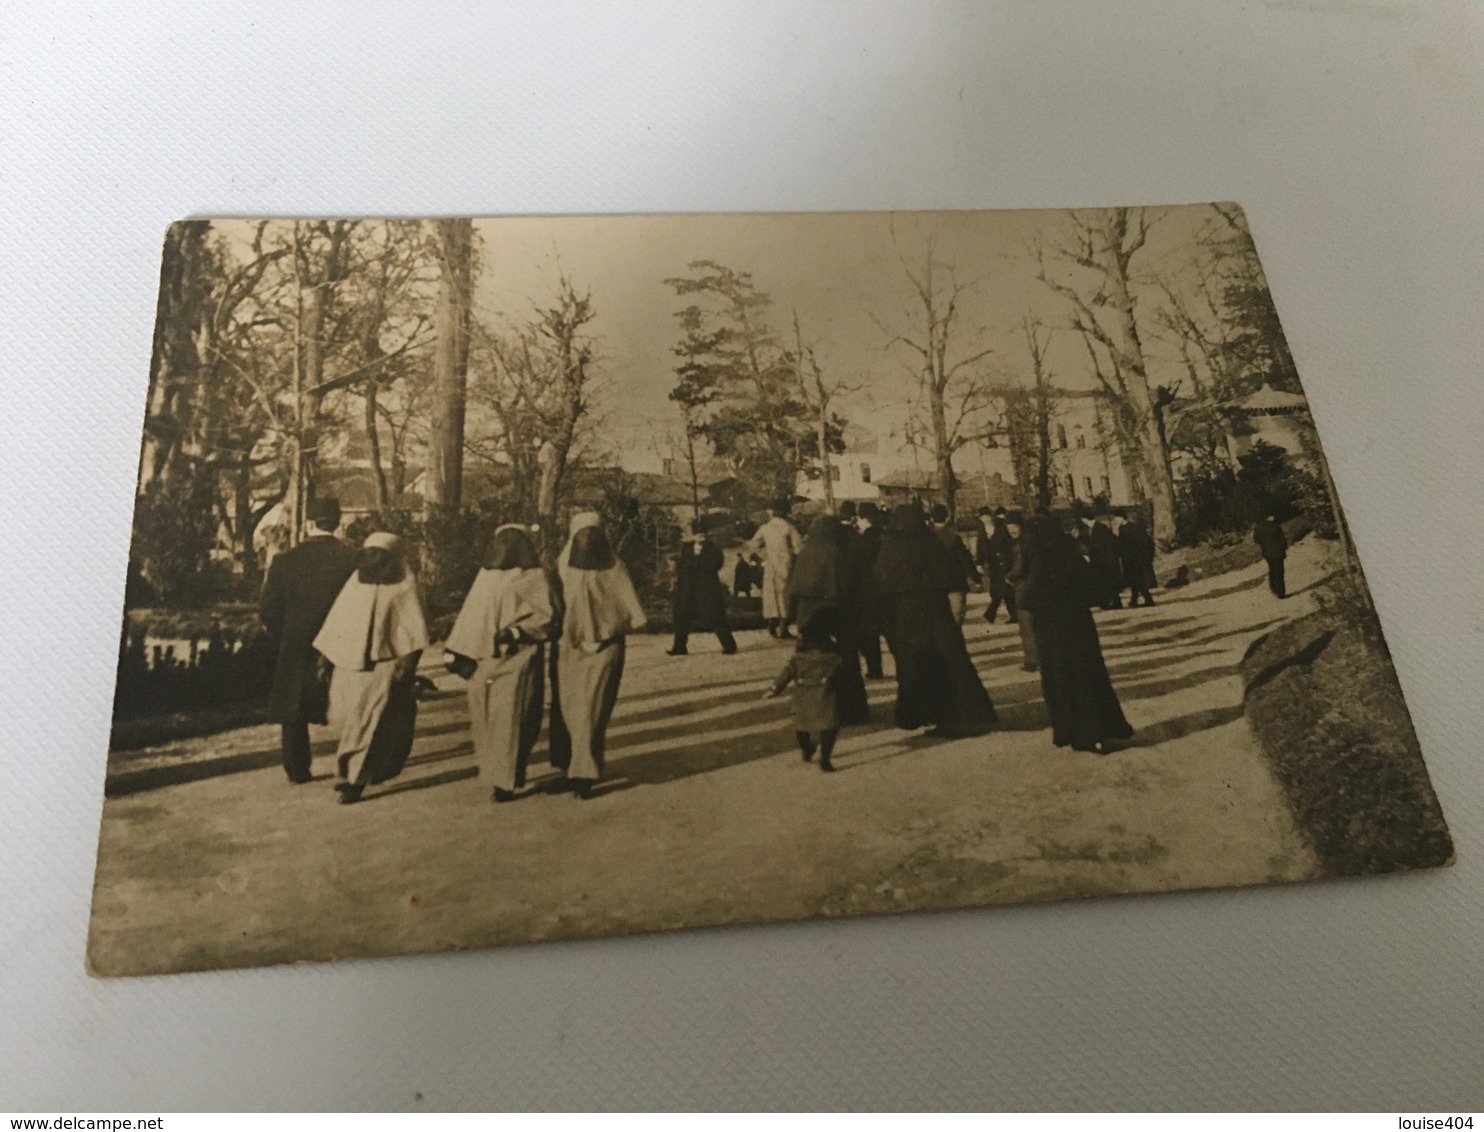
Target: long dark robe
{"x":1136,"y":554}
{"x":822,"y":580}
{"x":700,"y":598}
{"x":1107,"y":571}
{"x":959,"y":553}
{"x":1058,"y":589}
{"x":996,"y":556}
{"x":937,"y":684}
{"x":1016,"y":581}
{"x":1270,"y":539}
{"x":863,"y":552}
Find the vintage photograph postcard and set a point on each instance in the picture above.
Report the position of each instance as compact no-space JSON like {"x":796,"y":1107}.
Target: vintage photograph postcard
{"x":499,"y":581}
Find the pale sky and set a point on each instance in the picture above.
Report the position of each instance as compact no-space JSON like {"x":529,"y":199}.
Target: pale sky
{"x":842,"y":272}
{"x":836,"y":269}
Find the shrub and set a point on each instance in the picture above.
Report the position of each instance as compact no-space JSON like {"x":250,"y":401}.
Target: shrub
{"x":215,"y":671}
{"x":1213,"y":498}
{"x":175,"y":529}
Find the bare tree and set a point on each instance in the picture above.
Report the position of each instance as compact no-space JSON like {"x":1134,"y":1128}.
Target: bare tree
{"x":819,"y":393}
{"x":1042,"y":406}
{"x":570,"y":354}
{"x":955,"y":388}
{"x":454,"y":239}
{"x":535,"y":381}
{"x":1104,"y":242}
{"x":394,"y":304}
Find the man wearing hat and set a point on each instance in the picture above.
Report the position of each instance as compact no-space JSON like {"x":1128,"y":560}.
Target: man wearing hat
{"x":958,"y":598}
{"x":996,"y":555}
{"x":301,"y":586}
{"x":863,"y":551}
{"x":1102,"y":555}
{"x":1270,"y":539}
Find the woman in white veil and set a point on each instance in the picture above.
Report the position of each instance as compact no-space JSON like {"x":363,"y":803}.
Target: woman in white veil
{"x":498,"y":644}
{"x":600,"y":608}
{"x":374,"y":635}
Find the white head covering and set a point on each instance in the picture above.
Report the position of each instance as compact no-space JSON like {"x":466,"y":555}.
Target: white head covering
{"x":500,"y":600}
{"x":370,"y":623}
{"x":600,"y":604}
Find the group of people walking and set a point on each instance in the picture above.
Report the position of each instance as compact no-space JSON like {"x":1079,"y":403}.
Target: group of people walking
{"x":853,"y":583}
{"x":352,"y":621}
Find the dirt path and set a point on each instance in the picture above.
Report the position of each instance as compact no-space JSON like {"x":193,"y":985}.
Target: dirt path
{"x":209,"y":858}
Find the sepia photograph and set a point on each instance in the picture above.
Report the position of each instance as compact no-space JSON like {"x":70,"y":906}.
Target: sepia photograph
{"x":498,"y":581}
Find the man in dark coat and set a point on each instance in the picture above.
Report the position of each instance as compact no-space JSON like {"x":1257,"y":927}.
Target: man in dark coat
{"x":700,"y":597}
{"x":963,"y":561}
{"x":1018,"y":579}
{"x":1102,"y":556}
{"x":1270,"y":539}
{"x":302,"y":584}
{"x":996,"y":555}
{"x":1136,"y":555}
{"x":864,"y":550}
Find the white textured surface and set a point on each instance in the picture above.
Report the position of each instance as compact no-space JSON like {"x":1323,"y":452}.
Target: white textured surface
{"x":1349,"y":130}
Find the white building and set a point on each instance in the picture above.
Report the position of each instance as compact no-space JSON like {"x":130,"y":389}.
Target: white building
{"x":853,"y":473}
{"x":1086,"y":463}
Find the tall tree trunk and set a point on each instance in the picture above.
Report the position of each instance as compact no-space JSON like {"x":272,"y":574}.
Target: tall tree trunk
{"x":551,"y":461}
{"x":243,"y":525}
{"x":306,"y":432}
{"x":1043,"y":444}
{"x":942,"y":450}
{"x":824,"y":455}
{"x":1155,"y":451}
{"x":1158,"y":480}
{"x":373,"y":441}
{"x":1041,"y":395}
{"x":691,"y":466}
{"x":450,"y":364}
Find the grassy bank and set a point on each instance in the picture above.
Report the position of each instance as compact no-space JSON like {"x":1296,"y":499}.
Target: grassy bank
{"x":152,"y":730}
{"x":1325,"y":704}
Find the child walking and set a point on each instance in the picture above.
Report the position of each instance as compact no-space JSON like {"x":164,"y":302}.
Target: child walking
{"x":814,"y":673}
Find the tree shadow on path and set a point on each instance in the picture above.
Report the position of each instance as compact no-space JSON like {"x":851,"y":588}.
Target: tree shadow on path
{"x":1168,"y":730}
{"x":672,"y":721}
{"x":1220,"y":592}
{"x":443,"y":778}
{"x":1304,"y":656}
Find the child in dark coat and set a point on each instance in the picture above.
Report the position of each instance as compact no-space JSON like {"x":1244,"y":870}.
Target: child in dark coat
{"x":814,"y":673}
